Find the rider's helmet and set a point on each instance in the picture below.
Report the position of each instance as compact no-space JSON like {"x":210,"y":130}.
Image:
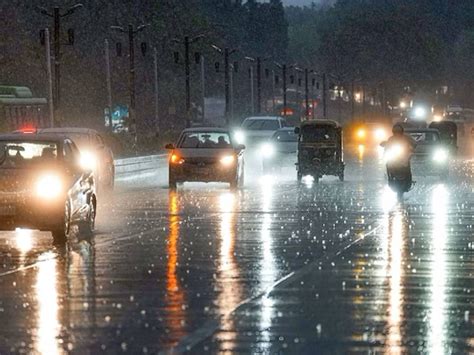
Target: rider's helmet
{"x":398,"y":130}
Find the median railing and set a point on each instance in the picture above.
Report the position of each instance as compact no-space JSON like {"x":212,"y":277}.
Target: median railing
{"x":139,"y":165}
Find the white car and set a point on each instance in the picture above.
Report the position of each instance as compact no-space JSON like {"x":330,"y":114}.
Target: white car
{"x":255,"y":130}
{"x":95,"y":154}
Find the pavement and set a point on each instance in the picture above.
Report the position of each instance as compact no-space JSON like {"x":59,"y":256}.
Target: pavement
{"x":277,"y":267}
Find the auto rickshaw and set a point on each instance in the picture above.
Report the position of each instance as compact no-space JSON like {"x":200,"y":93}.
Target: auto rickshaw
{"x":320,"y":149}
{"x":448,"y":132}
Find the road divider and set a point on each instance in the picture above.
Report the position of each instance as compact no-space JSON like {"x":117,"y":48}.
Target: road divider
{"x":139,"y":165}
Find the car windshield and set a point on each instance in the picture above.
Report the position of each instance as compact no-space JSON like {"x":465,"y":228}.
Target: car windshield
{"x":424,"y":137}
{"x":209,"y":140}
{"x":82,"y":140}
{"x":261,"y":125}
{"x":285,"y":137}
{"x":25,"y":154}
{"x":318,"y":133}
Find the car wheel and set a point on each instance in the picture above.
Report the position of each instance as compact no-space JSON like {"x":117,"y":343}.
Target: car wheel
{"x":88,"y":226}
{"x":341,"y":176}
{"x":299,"y":176}
{"x":242,"y":178}
{"x":61,"y":231}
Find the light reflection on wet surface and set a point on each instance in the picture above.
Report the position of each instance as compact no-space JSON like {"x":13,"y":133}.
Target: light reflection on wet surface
{"x":163,"y":263}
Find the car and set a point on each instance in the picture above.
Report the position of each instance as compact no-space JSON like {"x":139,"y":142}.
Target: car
{"x":95,"y":153}
{"x":368,"y":133}
{"x":280,"y":150}
{"x":43,"y":185}
{"x":206,"y":154}
{"x":431,"y":155}
{"x":254,"y":130}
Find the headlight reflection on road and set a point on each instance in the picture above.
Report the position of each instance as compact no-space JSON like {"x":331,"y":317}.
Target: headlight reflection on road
{"x":47,"y":298}
{"x":268,"y":271}
{"x":230,"y":294}
{"x":397,"y":225}
{"x":175,"y":301}
{"x":23,"y":240}
{"x":437,"y":320}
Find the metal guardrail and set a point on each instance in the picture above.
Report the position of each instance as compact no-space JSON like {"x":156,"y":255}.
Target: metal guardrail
{"x":130,"y":166}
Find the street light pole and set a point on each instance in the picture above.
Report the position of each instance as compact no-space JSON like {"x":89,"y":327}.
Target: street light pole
{"x":56,"y":15}
{"x":226,"y":52}
{"x":325,"y":111}
{"x":50,"y":78}
{"x":306,"y":93}
{"x":109,"y":83}
{"x":131,"y":31}
{"x":187,"y":72}
{"x":155,"y":77}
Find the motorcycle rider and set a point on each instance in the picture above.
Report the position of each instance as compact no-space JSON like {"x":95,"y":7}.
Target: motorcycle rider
{"x":405,"y":142}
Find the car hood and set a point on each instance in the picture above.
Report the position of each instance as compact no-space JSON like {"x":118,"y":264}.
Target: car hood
{"x":258,"y":134}
{"x":203,"y":153}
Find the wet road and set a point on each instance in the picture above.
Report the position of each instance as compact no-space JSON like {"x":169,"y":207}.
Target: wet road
{"x":274,"y":268}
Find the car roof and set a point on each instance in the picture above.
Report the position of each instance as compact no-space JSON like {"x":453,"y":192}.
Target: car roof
{"x":206,"y":129}
{"x":320,"y":122}
{"x":270,"y":118}
{"x":32,"y":137}
{"x":67,"y":130}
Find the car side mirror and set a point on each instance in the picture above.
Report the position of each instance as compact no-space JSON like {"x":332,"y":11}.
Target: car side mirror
{"x":383,"y":144}
{"x":240,"y":147}
{"x":297,"y":130}
{"x":169,"y":146}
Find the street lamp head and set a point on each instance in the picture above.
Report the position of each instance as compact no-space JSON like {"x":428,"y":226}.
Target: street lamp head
{"x":216,"y":48}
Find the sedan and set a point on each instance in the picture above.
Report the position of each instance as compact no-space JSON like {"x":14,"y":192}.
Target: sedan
{"x":95,"y":154}
{"x":43,"y":186}
{"x":206,"y":155}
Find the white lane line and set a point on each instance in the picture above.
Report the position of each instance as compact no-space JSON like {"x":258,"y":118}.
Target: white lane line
{"x":211,"y":326}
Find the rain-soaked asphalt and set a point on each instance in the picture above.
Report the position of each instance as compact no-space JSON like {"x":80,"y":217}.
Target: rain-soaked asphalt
{"x":275,"y":268}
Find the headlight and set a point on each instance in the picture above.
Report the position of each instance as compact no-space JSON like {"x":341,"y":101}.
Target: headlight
{"x":49,"y":186}
{"x":88,"y":160}
{"x":239,"y":137}
{"x":393,"y":153}
{"x":267,"y":150}
{"x":440,"y":155}
{"x":419,"y":113}
{"x":176,"y":159}
{"x":227,"y":160}
{"x":361,"y":133}
{"x":380,"y":134}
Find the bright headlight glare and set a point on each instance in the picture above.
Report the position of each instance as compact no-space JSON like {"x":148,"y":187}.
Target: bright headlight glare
{"x":361,"y":133}
{"x":49,"y":186}
{"x":380,"y":134}
{"x":393,"y":153}
{"x":267,"y":150}
{"x":239,"y":137}
{"x":420,"y":112}
{"x":227,"y":160}
{"x":88,"y":160}
{"x":440,"y":155}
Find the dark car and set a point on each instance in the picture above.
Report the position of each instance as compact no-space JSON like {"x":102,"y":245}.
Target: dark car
{"x":280,"y":150}
{"x":431,"y":155}
{"x":206,"y":155}
{"x":43,"y":186}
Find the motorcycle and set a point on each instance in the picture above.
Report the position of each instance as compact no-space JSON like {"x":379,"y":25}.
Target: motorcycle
{"x":397,"y":159}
